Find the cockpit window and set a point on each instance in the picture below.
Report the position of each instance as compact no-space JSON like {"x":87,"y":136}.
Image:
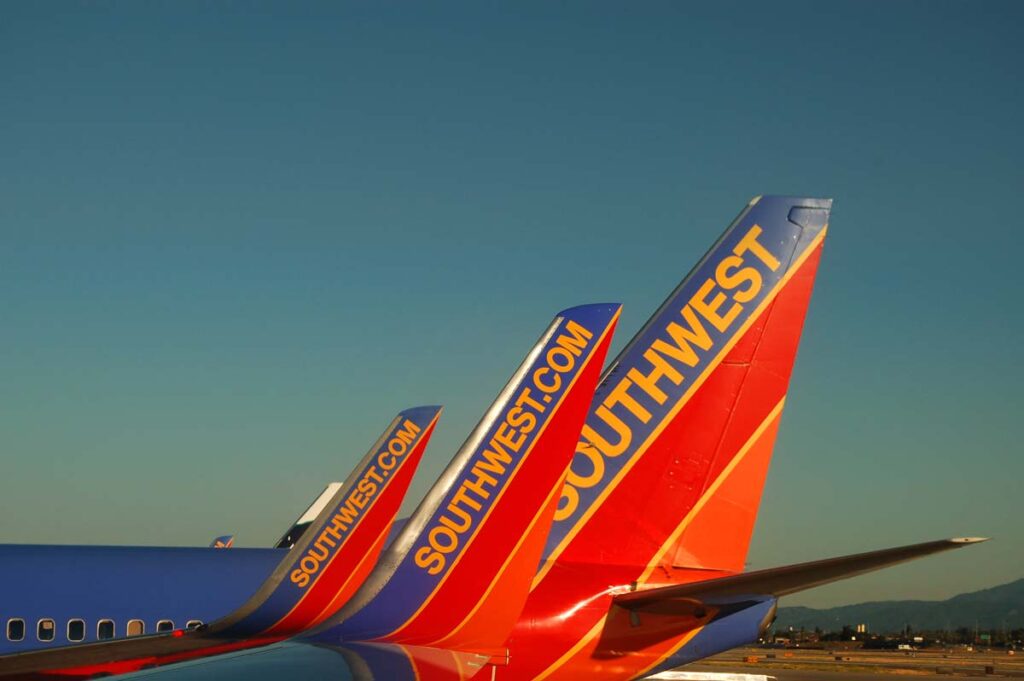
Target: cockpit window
{"x":15,"y":629}
{"x":193,"y":624}
{"x":45,"y":630}
{"x":76,"y":630}
{"x":105,"y":629}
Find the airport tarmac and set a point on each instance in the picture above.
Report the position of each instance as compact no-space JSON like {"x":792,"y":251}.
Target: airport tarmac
{"x":859,"y":665}
{"x":819,"y":675}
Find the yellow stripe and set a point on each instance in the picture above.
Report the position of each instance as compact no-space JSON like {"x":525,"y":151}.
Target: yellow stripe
{"x":458,"y":665}
{"x":726,"y":472}
{"x":686,"y":521}
{"x":508,"y":484}
{"x":610,"y":487}
{"x":312,"y":587}
{"x":412,"y":663}
{"x":494,"y":582}
{"x":672,"y":651}
{"x":550,"y":561}
{"x":366,"y":556}
{"x":569,"y":654}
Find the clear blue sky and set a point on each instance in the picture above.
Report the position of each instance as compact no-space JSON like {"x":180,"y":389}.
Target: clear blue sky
{"x":237,"y":237}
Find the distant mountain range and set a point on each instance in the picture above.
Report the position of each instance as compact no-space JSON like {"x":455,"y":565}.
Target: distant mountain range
{"x":995,"y":608}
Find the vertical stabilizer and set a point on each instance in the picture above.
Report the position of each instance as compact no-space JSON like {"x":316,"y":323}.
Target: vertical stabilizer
{"x":459,"y":572}
{"x":671,"y":462}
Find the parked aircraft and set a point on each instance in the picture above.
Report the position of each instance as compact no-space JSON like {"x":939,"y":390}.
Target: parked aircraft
{"x":640,"y":567}
{"x":223,"y":542}
{"x":491,"y":479}
{"x":80,"y":594}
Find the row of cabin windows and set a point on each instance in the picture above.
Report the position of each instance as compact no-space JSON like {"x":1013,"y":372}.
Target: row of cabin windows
{"x":46,"y":629}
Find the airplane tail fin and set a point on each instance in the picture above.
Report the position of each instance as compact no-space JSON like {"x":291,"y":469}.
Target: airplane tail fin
{"x":339,"y":546}
{"x":669,"y":469}
{"x":459,"y":572}
{"x":302,"y":523}
{"x":313,"y":579}
{"x":223,"y":542}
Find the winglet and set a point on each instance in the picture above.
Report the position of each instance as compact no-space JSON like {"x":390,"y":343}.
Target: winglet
{"x":459,"y":572}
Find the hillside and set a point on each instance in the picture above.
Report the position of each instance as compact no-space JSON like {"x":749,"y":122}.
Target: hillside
{"x":995,"y":608}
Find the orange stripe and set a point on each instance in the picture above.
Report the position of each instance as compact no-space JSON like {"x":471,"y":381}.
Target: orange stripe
{"x":683,"y":640}
{"x":589,"y":636}
{"x":773,"y":415}
{"x":569,"y":654}
{"x":508,"y":484}
{"x":373,"y":501}
{"x":374,"y":551}
{"x":550,"y":560}
{"x":412,"y":662}
{"x":497,"y":576}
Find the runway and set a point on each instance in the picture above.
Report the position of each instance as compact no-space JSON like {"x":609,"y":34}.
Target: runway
{"x":835,"y":675}
{"x":760,"y":664}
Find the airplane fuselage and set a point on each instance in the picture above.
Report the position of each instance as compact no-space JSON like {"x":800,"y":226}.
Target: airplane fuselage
{"x":59,"y":595}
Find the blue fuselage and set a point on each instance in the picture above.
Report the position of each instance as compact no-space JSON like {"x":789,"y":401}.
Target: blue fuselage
{"x":118,"y":585}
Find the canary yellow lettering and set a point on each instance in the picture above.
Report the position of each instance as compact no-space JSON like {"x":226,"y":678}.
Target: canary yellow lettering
{"x":545,"y":386}
{"x":741,"y":275}
{"x":682,"y":337}
{"x":750,"y":243}
{"x":431,"y":561}
{"x":523,"y":420}
{"x":620,"y":395}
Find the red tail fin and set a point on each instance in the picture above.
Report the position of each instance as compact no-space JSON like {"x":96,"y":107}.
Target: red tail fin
{"x":670,"y":466}
{"x":460,"y":571}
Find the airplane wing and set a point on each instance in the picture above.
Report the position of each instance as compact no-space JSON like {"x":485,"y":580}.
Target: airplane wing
{"x":223,"y":542}
{"x":310,"y":583}
{"x":294,"y":533}
{"x":781,"y":581}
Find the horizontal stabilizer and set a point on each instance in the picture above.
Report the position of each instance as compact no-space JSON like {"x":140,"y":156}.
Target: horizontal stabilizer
{"x":790,"y":579}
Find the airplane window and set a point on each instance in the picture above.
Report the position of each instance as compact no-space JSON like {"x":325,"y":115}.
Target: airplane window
{"x":164,"y":625}
{"x":45,"y":630}
{"x":15,"y":629}
{"x":76,"y":630}
{"x":105,"y":629}
{"x":193,"y":624}
{"x":136,"y":628}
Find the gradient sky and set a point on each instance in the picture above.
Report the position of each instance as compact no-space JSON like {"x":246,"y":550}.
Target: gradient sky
{"x":238,"y":237}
